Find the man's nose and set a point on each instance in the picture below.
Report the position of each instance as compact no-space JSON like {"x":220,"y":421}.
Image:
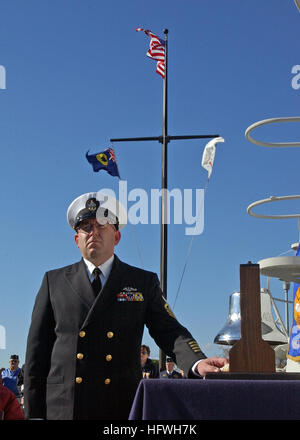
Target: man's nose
{"x":95,"y":228}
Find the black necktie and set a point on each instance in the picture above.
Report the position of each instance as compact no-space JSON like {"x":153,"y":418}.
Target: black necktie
{"x":96,"y":284}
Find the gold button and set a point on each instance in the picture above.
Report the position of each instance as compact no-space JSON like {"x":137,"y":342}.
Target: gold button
{"x":108,"y":357}
{"x":79,"y":356}
{"x":107,"y":381}
{"x":78,"y":379}
{"x":110,"y":335}
{"x":82,"y":334}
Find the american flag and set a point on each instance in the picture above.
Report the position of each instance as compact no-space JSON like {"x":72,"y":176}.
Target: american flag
{"x":156,"y":51}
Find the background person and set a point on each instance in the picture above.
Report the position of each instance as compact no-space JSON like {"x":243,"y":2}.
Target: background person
{"x":9,"y":405}
{"x":10,"y":408}
{"x":10,"y":375}
{"x":149,"y":368}
{"x":169,"y":372}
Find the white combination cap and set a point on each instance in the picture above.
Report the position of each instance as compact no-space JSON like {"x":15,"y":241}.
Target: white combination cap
{"x":99,"y":205}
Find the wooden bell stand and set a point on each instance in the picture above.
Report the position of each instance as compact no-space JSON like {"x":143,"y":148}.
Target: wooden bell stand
{"x":251,"y":353}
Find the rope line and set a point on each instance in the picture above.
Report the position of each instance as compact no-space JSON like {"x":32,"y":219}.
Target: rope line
{"x":188,"y":254}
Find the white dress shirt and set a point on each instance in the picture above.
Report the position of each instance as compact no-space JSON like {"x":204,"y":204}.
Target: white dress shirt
{"x":105,"y":269}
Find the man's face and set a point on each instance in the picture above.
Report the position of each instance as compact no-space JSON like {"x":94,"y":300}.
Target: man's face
{"x":169,"y":366}
{"x":13,"y":364}
{"x":144,"y":355}
{"x":96,"y":242}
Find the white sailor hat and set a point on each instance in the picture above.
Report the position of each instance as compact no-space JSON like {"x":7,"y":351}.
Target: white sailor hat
{"x":99,"y":205}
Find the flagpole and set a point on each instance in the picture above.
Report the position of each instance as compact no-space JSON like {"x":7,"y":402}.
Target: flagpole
{"x":164,"y":187}
{"x":164,"y":140}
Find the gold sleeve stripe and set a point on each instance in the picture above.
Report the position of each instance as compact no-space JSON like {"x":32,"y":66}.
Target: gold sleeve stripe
{"x":194,"y":346}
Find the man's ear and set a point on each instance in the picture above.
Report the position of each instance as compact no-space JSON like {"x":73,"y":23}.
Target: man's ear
{"x":76,"y":239}
{"x":117,"y":237}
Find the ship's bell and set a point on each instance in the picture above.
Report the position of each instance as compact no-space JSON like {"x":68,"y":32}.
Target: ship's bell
{"x":231,"y":332}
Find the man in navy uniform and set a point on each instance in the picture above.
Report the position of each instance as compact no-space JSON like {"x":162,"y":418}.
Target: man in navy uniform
{"x":10,"y":375}
{"x":88,"y":320}
{"x":169,"y":372}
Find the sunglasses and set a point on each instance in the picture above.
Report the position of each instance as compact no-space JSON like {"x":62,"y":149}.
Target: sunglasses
{"x":89,"y":227}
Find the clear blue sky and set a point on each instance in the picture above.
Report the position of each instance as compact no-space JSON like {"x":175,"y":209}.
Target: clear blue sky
{"x":77,"y":75}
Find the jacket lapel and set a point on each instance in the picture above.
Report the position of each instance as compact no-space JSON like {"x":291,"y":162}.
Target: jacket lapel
{"x":77,"y":277}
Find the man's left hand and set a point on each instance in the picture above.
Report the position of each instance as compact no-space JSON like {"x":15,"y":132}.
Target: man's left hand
{"x":210,"y":365}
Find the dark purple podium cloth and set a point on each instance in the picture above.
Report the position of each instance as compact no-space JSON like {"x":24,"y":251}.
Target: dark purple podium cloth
{"x":193,"y":399}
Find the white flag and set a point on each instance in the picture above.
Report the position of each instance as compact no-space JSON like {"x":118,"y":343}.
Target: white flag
{"x":209,"y":154}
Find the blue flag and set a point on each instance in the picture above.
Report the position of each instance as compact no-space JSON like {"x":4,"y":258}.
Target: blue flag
{"x":106,"y":160}
{"x":294,"y":346}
